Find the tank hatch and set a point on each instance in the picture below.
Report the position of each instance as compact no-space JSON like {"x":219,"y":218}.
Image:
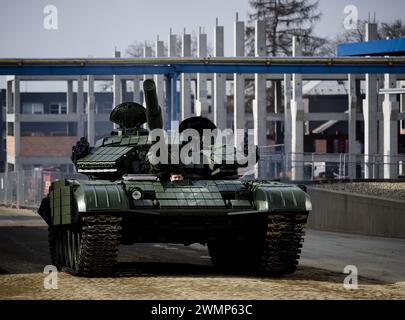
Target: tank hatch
{"x":128,"y":115}
{"x":197,"y":123}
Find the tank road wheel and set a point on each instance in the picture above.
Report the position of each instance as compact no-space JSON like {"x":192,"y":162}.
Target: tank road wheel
{"x":272,"y":248}
{"x":88,"y":249}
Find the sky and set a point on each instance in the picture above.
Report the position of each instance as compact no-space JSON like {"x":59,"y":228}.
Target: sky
{"x":93,"y":28}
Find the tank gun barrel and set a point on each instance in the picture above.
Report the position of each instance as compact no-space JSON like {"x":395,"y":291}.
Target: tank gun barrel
{"x":153,"y":111}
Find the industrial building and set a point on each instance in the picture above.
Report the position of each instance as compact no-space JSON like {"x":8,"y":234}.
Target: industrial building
{"x":49,"y":126}
{"x":47,"y":131}
{"x":346,"y":120}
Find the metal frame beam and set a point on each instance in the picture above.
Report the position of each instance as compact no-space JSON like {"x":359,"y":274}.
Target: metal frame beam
{"x":261,"y":65}
{"x":173,"y":67}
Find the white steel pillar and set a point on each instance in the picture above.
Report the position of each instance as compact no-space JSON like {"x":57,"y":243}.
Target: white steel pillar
{"x":219,"y":80}
{"x":117,"y":84}
{"x":9,"y":96}
{"x":17,"y":139}
{"x":123,"y":88}
{"x":352,"y":125}
{"x":370,"y":115}
{"x":172,"y":43}
{"x":185,"y":108}
{"x":136,"y":89}
{"x":287,"y":119}
{"x":159,"y":79}
{"x":370,"y":126}
{"x":136,"y":92}
{"x":17,"y":127}
{"x":297,"y":121}
{"x":9,"y":110}
{"x":80,"y":108}
{"x":171,"y":52}
{"x":147,"y":53}
{"x":402,"y":125}
{"x":69,"y":97}
{"x":17,"y":95}
{"x":91,"y":135}
{"x":390,"y":116}
{"x":239,"y":85}
{"x":201,"y":105}
{"x":259,"y":103}
{"x":380,"y":122}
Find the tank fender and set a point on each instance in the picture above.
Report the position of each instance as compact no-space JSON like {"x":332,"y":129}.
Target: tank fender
{"x":58,"y":207}
{"x":270,"y":198}
{"x":98,"y":196}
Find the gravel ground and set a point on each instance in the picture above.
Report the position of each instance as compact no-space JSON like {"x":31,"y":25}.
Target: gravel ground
{"x":388,"y":190}
{"x":197,"y":282}
{"x":166,"y":271}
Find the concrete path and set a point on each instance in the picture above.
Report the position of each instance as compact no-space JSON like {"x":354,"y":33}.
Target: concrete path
{"x":377,"y":258}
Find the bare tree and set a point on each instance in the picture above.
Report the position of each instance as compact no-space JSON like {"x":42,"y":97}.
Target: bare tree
{"x":136,"y":49}
{"x":392,"y":30}
{"x":284,"y":20}
{"x":357,"y":34}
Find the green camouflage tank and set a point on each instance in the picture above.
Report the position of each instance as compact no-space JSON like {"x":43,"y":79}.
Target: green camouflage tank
{"x":248,"y":225}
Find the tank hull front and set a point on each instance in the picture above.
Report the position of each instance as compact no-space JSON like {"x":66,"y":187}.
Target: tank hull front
{"x":188,"y":203}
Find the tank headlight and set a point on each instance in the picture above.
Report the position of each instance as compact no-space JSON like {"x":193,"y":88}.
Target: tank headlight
{"x":136,"y":195}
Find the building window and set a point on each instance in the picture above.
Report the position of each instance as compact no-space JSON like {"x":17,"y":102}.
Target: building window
{"x":104,"y":107}
{"x":51,"y":129}
{"x":10,"y":129}
{"x":57,"y":108}
{"x":33,"y":108}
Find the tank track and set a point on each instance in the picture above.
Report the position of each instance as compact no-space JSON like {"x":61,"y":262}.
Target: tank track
{"x":99,"y":248}
{"x":90,"y":250}
{"x":52,"y":246}
{"x":275,"y":252}
{"x":283,"y":243}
